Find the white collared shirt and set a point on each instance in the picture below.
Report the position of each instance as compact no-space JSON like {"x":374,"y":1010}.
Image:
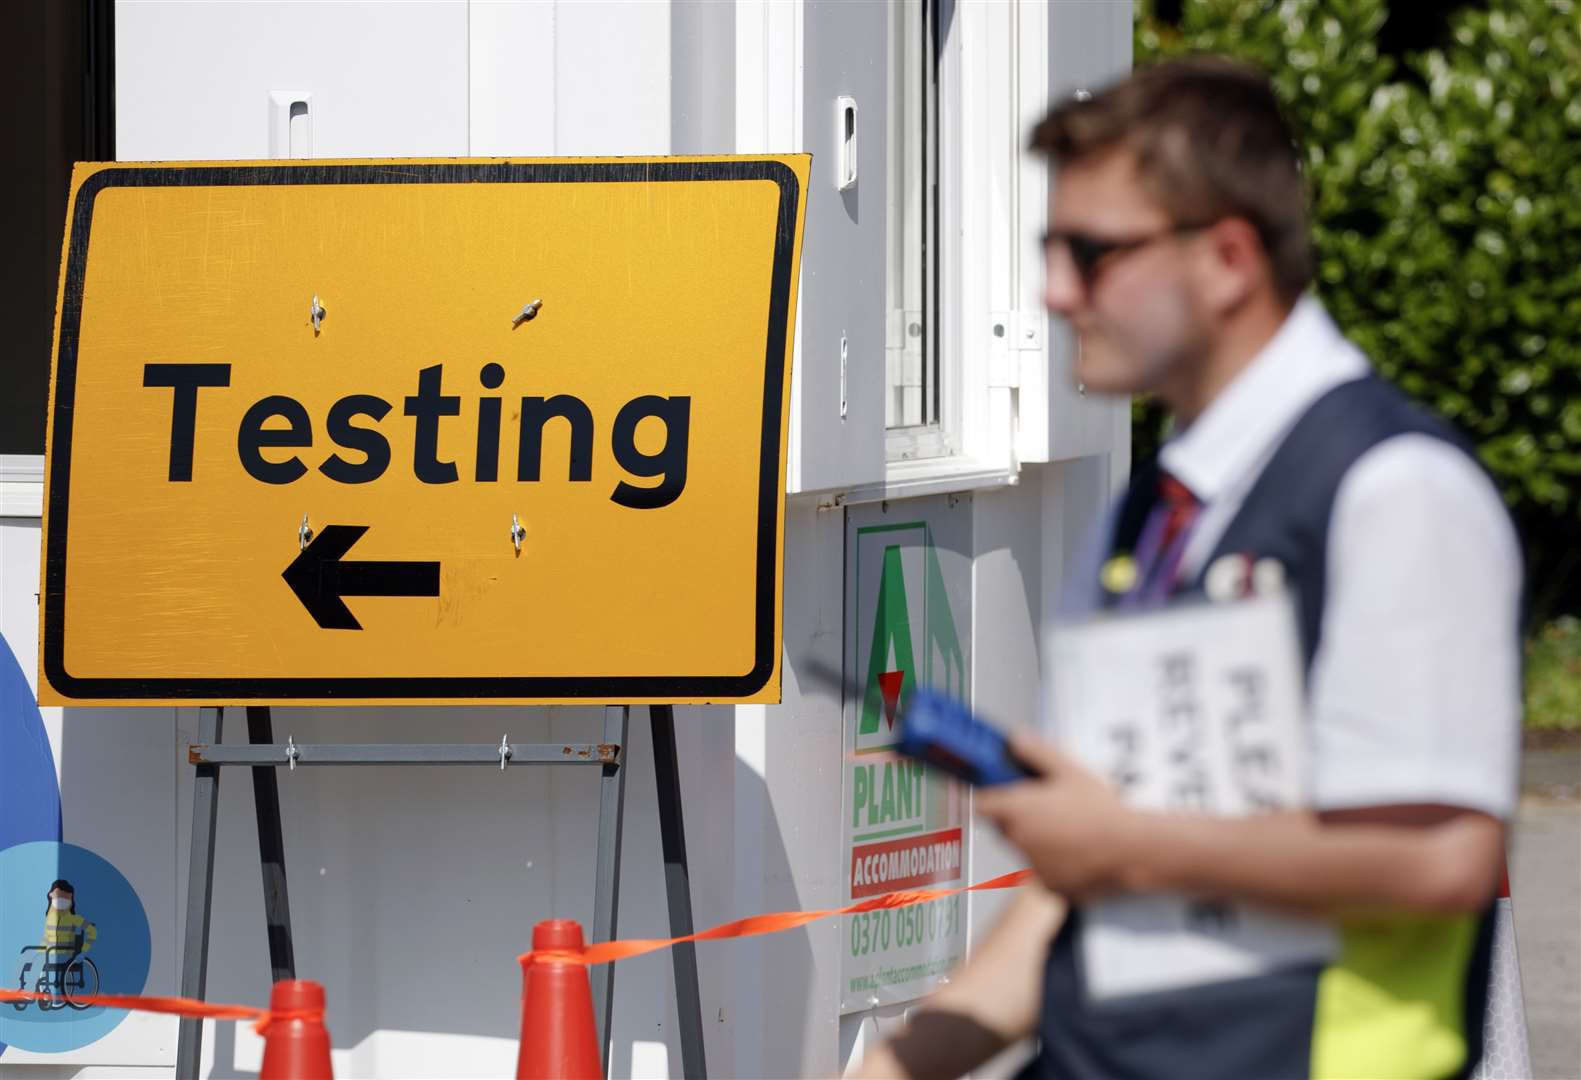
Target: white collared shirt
{"x":1415,"y":692}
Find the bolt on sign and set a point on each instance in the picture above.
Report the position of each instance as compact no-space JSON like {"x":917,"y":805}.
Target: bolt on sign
{"x":421,"y":431}
{"x":908,"y":606}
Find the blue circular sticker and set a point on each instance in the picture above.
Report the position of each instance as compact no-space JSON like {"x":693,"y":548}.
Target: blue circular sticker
{"x":71,"y":927}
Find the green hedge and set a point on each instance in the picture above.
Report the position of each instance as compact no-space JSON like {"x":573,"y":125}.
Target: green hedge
{"x":1553,"y":676}
{"x":1446,"y":197}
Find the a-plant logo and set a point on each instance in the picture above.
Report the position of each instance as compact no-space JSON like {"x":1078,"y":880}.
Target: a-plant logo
{"x":905,"y":623}
{"x":892,"y":668}
{"x":889,"y":679}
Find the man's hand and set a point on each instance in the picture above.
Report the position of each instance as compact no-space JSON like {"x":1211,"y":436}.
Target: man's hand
{"x":1082,"y":841}
{"x":1071,"y":826}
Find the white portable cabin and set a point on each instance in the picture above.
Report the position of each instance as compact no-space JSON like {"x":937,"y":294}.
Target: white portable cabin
{"x":929,"y":386}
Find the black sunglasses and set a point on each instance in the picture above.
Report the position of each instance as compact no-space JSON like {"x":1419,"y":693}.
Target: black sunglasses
{"x":1087,"y":253}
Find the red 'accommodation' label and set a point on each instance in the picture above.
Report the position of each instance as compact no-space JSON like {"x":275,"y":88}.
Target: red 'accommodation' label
{"x":906,"y":863}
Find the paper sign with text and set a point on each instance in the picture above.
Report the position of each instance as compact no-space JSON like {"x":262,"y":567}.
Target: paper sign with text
{"x":1196,"y":709}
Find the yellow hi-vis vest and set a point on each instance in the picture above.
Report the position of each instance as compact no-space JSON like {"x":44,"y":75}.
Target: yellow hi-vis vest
{"x":62,"y":927}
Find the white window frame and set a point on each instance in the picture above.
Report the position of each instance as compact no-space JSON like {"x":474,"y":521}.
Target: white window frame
{"x":21,"y":485}
{"x":938,"y":432}
{"x":993,"y":74}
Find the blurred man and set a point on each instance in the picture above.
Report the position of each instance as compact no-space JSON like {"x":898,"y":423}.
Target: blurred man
{"x":1178,"y":251}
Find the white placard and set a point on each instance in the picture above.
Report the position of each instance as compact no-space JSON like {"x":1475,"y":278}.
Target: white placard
{"x":908,"y":623}
{"x":1197,"y":708}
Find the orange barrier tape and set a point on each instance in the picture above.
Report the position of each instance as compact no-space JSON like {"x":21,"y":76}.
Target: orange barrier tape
{"x":605,"y":952}
{"x":602,"y":953}
{"x":178,"y":1006}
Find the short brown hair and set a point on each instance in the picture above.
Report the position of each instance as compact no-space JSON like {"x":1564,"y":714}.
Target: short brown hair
{"x":1209,"y":141}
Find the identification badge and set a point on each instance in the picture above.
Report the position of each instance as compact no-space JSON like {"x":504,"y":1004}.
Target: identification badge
{"x":1195,"y":709}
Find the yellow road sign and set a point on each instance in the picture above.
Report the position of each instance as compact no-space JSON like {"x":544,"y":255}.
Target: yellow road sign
{"x":421,"y":431}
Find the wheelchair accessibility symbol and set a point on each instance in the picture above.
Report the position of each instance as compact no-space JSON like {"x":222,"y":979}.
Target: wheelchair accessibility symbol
{"x":64,"y":970}
{"x":71,"y":927}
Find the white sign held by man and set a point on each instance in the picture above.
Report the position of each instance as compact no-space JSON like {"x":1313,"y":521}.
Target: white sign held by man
{"x":1194,"y":709}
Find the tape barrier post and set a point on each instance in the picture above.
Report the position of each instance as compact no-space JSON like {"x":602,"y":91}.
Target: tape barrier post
{"x":558,"y":1038}
{"x":1505,"y":1047}
{"x":296,"y":1043}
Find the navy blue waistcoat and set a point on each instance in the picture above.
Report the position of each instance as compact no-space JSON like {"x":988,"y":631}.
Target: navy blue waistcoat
{"x":1257,"y":1028}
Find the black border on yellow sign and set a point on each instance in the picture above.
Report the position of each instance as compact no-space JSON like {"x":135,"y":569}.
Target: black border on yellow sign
{"x":606,"y":688}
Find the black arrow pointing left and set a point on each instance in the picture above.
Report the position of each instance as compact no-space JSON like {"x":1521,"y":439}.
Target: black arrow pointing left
{"x":320,"y":578}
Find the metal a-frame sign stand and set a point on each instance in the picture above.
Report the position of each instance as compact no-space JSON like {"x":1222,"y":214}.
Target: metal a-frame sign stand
{"x":264,"y":756}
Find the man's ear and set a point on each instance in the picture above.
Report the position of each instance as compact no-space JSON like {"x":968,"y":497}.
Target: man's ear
{"x":1235,"y":263}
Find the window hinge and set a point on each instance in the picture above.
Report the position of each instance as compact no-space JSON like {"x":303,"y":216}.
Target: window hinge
{"x":1028,"y":327}
{"x":1004,"y":358}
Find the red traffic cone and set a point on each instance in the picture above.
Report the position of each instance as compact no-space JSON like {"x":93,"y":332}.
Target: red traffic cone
{"x":296,"y":1047}
{"x":559,"y":1041}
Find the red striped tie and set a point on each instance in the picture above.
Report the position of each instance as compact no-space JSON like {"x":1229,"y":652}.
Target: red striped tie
{"x":1180,"y":509}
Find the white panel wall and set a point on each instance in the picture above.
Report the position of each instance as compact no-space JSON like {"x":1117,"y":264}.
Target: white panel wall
{"x":394,"y":79}
{"x":1010,"y":592}
{"x":569,"y":77}
{"x":612,"y":77}
{"x":192,"y":80}
{"x":1088,"y":46}
{"x":787,"y":824}
{"x":511,"y":79}
{"x":843,"y":260}
{"x":702,"y":77}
